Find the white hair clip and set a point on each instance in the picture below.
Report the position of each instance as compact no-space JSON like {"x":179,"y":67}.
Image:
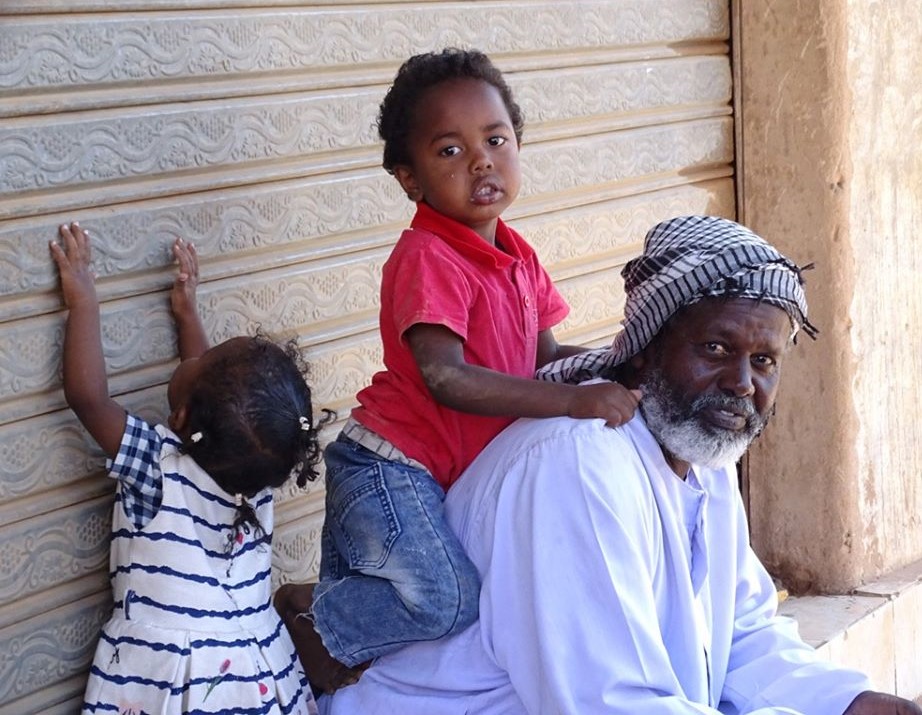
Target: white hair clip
{"x":305,"y":423}
{"x":196,"y":437}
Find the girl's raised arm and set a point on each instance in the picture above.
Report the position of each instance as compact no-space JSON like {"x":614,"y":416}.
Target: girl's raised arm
{"x":190,"y":332}
{"x":86,"y":387}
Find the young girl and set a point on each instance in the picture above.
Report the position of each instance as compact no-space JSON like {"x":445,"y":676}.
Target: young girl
{"x":466,"y":317}
{"x":193,"y":628}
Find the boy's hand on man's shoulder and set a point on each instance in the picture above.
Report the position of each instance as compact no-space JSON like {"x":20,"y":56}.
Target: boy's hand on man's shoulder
{"x":609,"y":401}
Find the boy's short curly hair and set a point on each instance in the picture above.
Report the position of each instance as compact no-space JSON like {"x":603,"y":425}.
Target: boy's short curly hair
{"x":417,"y":75}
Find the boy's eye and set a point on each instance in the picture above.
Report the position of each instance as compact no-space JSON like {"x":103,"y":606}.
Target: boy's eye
{"x":450,"y":151}
{"x":497,"y":141}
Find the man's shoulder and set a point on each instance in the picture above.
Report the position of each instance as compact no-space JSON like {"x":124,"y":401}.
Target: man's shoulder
{"x":560,"y":450}
{"x":552,"y":465}
{"x":564,"y":433}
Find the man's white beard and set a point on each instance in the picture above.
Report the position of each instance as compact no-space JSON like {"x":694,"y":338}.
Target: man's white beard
{"x":676,"y":424}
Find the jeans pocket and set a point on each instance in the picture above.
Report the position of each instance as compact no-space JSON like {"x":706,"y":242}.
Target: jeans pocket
{"x":363,"y":521}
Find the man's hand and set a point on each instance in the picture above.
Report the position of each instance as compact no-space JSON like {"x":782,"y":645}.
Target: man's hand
{"x":873,"y":703}
{"x":610,"y":401}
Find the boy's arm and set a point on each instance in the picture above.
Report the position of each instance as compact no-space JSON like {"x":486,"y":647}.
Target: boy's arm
{"x":193,"y":342}
{"x":549,"y":349}
{"x":477,"y":390}
{"x":86,"y":386}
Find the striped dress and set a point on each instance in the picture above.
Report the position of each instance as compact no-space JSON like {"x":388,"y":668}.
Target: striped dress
{"x":193,"y":629}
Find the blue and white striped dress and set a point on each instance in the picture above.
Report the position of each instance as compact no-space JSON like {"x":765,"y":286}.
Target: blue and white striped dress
{"x":193,"y":629}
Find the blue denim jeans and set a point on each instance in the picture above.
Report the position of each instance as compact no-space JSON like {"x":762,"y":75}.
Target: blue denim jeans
{"x":391,"y":570}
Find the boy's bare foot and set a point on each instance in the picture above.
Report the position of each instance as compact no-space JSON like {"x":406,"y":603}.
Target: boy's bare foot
{"x":293,"y":601}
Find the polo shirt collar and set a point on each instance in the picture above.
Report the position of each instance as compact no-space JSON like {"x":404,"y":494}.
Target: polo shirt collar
{"x":468,"y":242}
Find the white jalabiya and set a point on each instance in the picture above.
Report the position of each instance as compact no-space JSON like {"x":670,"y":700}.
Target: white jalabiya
{"x":610,"y":586}
{"x":194,"y":630}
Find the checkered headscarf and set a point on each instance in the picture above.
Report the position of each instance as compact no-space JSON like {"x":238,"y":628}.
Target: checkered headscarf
{"x":684,"y":260}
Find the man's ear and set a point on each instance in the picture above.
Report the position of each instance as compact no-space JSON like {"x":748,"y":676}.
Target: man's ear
{"x":178,"y":419}
{"x":639,"y":364}
{"x":407,"y":179}
{"x":638,"y":361}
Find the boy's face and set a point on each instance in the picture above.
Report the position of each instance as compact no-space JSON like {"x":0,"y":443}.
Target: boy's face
{"x":464,"y":154}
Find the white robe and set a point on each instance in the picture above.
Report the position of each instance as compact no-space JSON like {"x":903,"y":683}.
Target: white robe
{"x":609,"y":586}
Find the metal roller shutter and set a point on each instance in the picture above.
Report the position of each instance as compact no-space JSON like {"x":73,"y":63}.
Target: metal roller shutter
{"x":248,"y":128}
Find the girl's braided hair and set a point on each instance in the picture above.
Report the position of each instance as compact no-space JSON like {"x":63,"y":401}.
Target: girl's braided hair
{"x":415,"y":77}
{"x":251,"y":419}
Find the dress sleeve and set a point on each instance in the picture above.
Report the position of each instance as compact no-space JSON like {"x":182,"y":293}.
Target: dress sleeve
{"x":769,"y":662}
{"x":137,"y":468}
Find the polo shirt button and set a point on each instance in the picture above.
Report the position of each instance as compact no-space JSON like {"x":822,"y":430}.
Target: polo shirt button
{"x":527,"y":301}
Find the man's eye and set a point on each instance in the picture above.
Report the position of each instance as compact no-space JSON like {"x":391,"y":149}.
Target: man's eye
{"x":450,"y":151}
{"x":764,"y":361}
{"x":497,"y":141}
{"x":715,"y":349}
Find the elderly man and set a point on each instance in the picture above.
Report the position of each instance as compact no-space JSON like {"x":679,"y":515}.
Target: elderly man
{"x":617,"y":574}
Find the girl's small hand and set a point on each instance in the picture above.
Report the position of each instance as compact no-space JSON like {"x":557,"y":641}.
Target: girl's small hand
{"x":190,"y":332}
{"x":74,"y":261}
{"x":609,"y":401}
{"x":182,"y":296}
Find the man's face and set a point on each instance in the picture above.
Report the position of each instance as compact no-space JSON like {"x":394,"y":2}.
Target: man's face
{"x":710,"y":377}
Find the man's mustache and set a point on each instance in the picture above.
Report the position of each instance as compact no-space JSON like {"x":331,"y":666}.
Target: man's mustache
{"x":737,"y":405}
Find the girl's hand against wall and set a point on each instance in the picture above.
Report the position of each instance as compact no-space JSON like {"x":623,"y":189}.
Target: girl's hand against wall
{"x":189,"y":329}
{"x":73,"y":257}
{"x":182,"y":296}
{"x":610,"y":401}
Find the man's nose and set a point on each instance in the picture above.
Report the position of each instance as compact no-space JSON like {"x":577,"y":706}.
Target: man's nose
{"x":737,"y":379}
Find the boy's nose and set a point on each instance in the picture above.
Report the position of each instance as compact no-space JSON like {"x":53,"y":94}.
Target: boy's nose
{"x":481,"y":162}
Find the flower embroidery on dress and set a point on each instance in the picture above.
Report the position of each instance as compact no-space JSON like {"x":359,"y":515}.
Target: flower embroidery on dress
{"x":222,"y":671}
{"x":131,"y":709}
{"x":129,"y":597}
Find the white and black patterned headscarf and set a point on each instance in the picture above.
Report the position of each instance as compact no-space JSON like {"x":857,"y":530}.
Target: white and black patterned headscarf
{"x":684,"y":260}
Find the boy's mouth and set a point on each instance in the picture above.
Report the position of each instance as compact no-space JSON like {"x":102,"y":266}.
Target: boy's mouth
{"x":486,"y":192}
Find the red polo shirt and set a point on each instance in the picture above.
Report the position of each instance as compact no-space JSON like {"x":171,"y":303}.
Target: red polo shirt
{"x":497,"y":301}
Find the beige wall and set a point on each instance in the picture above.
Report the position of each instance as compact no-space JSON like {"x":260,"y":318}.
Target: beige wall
{"x":831,"y":171}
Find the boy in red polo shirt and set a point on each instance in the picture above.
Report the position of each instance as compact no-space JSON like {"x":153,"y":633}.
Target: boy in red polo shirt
{"x":466,"y":318}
